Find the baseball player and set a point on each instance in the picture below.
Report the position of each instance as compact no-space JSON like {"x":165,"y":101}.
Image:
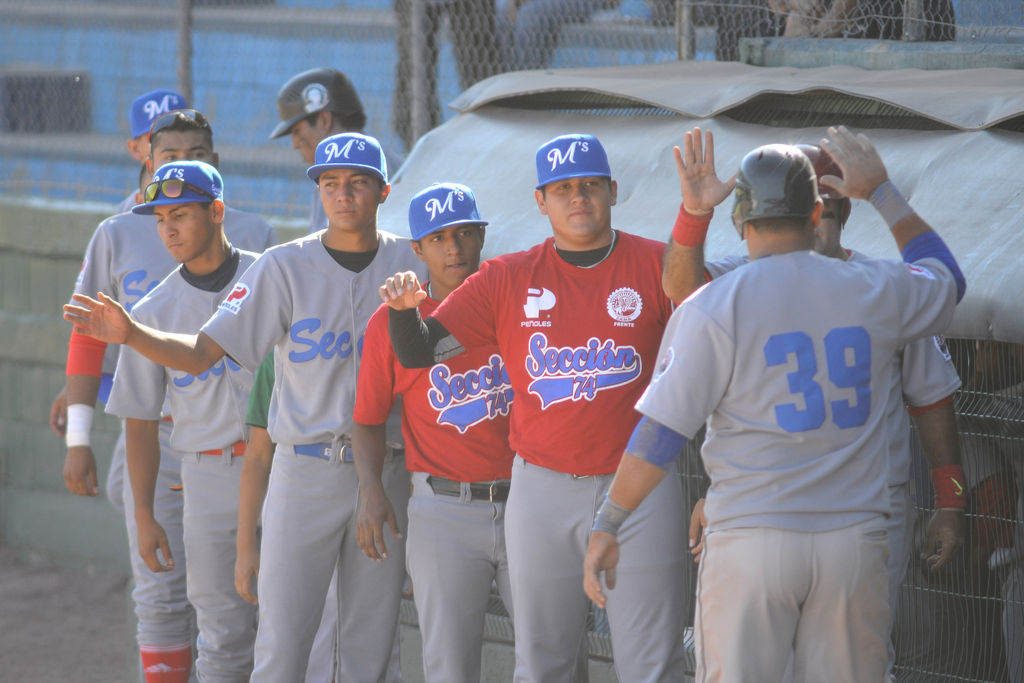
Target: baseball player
{"x":924,"y":378}
{"x":140,"y":116}
{"x":314,"y":105}
{"x":794,"y":557}
{"x":127,"y":258}
{"x":144,"y":110}
{"x":577,"y":320}
{"x":310,"y":508}
{"x":209,"y":426}
{"x":455,"y":424}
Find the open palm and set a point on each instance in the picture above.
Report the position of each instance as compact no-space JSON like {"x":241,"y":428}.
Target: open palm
{"x":702,"y":190}
{"x":101,"y":318}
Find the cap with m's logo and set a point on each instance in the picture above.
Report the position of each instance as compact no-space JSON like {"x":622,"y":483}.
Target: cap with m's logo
{"x":145,"y":108}
{"x":578,"y":155}
{"x":442,"y":205}
{"x":349,"y":150}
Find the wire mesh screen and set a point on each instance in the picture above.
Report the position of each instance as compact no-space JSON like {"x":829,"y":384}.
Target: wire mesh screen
{"x":70,"y":68}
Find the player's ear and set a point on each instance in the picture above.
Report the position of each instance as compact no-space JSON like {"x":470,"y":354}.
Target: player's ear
{"x":149,"y":165}
{"x":483,"y":233}
{"x":816,"y":212}
{"x":415,"y":244}
{"x":614,"y":190}
{"x":217,"y":211}
{"x":385,"y":190}
{"x":539,"y":196}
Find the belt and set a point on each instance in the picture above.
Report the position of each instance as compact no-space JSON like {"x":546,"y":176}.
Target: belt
{"x":493,"y":491}
{"x":237,"y":448}
{"x":323,"y":451}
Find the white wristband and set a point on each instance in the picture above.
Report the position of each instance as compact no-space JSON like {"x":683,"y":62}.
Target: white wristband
{"x":890,"y":203}
{"x":79,"y":425}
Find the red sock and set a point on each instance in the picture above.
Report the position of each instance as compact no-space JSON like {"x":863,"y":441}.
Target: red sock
{"x":166,"y":663}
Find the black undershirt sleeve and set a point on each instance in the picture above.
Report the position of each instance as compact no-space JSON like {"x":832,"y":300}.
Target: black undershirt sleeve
{"x":419,"y":343}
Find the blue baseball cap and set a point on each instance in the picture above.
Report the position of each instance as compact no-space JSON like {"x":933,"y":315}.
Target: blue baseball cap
{"x":441,"y":205}
{"x":577,"y":155}
{"x":182,"y":182}
{"x":147,"y":107}
{"x":349,"y":150}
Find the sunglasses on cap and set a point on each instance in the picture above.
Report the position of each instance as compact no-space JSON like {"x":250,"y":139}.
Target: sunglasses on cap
{"x":167,"y":120}
{"x":172,"y":188}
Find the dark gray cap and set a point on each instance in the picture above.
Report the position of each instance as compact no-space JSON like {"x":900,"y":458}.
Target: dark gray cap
{"x":775,"y":181}
{"x":314,"y":91}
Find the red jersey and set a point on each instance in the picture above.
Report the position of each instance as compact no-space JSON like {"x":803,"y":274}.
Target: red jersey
{"x":454,"y":414}
{"x":580,"y":344}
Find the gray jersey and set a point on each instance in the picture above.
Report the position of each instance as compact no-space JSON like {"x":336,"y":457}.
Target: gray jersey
{"x":126,"y":257}
{"x":796,"y":387}
{"x":126,"y":204}
{"x":209,"y":408}
{"x":922,"y":375}
{"x":297,"y":300}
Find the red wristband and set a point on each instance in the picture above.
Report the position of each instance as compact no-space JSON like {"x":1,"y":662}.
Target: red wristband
{"x":690,"y":230}
{"x":85,"y":355}
{"x":921,"y":410}
{"x":948,"y":483}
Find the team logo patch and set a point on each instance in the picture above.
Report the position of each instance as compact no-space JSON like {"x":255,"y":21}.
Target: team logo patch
{"x":464,"y":399}
{"x":435,"y":206}
{"x":537,"y":300}
{"x":314,"y":97}
{"x":664,"y":364}
{"x":559,"y":158}
{"x":332,"y":151}
{"x":578,"y":373}
{"x":234,"y":300}
{"x":943,"y":347}
{"x":624,"y":305}
{"x":154,"y":108}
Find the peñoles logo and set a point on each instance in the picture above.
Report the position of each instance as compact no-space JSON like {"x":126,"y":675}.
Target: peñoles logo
{"x":578,"y":373}
{"x":466,"y":398}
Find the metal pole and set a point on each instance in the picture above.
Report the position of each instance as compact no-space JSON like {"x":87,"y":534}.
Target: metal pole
{"x":185,"y":48}
{"x":419,"y":115}
{"x":686,"y":43}
{"x":913,"y":20}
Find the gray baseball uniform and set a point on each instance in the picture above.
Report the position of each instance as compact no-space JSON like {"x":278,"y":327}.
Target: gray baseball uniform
{"x":209,"y":428}
{"x":795,"y":443}
{"x":125,"y":259}
{"x":298,"y":301}
{"x":922,"y":375}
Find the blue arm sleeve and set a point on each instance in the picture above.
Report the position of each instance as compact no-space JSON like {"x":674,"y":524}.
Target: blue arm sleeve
{"x":930,"y":245}
{"x":655,"y":443}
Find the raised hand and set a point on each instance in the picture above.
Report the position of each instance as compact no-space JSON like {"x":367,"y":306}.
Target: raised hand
{"x":863,"y":169}
{"x":701,"y":188}
{"x":402,"y":291}
{"x":101,"y":318}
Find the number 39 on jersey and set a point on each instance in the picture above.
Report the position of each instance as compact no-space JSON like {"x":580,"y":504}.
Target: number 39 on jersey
{"x":848,"y":361}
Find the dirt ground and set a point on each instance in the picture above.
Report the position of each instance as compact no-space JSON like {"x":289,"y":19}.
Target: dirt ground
{"x":59,"y":625}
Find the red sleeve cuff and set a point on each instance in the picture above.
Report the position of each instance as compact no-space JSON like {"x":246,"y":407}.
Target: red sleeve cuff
{"x":85,"y":355}
{"x":921,"y":410}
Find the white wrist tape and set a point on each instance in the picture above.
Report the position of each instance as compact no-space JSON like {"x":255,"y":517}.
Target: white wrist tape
{"x":79,"y":424}
{"x":890,"y":203}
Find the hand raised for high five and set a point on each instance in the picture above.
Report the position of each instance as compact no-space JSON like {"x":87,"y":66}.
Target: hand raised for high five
{"x":402,"y":291}
{"x":103,"y":319}
{"x":701,"y":188}
{"x":863,"y":169}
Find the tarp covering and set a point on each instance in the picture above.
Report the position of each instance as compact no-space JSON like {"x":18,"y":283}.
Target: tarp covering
{"x":966,"y":183}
